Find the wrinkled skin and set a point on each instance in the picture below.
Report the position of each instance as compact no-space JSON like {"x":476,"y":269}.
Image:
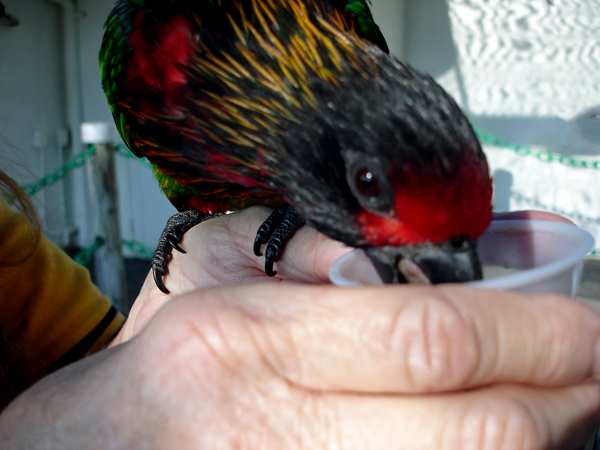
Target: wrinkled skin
{"x":218,"y":255}
{"x":281,"y":365}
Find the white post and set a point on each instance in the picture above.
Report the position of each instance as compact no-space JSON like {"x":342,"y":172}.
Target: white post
{"x":109,"y":267}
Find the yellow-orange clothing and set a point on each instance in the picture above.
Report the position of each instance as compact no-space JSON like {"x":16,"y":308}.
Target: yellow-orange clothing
{"x":48,"y":303}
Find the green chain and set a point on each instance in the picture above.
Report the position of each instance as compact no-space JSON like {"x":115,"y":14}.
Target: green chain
{"x":485,"y":138}
{"x":75,"y":162}
{"x":122,"y":150}
{"x":78,"y":160}
{"x":54,"y":177}
{"x":84,"y":256}
{"x":523,"y":150}
{"x":138,"y":248}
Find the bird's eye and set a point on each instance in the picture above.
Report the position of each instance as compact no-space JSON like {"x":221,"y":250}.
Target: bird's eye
{"x":367,"y":183}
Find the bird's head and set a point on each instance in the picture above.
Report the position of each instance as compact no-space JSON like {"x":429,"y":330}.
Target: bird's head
{"x":420,"y":223}
{"x":404,"y":177}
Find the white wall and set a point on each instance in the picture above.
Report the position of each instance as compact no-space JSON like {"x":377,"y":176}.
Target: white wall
{"x":527,"y":68}
{"x":390,"y":15}
{"x":32,"y":104}
{"x":37,"y":66}
{"x":529,"y":72}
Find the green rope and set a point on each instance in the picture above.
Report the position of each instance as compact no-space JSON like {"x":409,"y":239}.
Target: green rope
{"x":54,"y":177}
{"x":75,"y":162}
{"x":488,"y":139}
{"x":123,"y":151}
{"x":138,"y":248}
{"x":78,"y":160}
{"x":541,"y":155}
{"x":85,"y":255}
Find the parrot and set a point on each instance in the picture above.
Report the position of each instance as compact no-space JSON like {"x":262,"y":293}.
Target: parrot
{"x":297,"y":105}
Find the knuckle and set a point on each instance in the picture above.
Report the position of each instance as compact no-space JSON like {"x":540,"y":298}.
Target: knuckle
{"x":439,"y":344}
{"x":559,"y":344}
{"x":557,"y":335}
{"x":506,"y":423}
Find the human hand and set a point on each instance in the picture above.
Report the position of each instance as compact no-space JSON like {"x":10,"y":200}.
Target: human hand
{"x":285,"y":366}
{"x":219,"y":252}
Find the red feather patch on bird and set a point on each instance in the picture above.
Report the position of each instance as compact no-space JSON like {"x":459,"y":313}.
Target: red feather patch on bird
{"x":431,"y":207}
{"x":209,"y":207}
{"x":159,"y":56}
{"x":220,"y":165}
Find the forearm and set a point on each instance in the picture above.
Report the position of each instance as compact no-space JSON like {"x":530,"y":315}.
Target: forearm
{"x":70,"y":409}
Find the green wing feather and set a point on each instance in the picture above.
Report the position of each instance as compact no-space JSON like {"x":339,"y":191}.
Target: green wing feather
{"x":113,"y":54}
{"x":360,"y":13}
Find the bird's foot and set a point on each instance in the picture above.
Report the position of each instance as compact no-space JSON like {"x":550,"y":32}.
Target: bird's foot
{"x":279,"y":228}
{"x":170,"y":239}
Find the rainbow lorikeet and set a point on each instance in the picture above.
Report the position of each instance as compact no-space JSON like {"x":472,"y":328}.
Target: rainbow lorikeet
{"x":297,"y":104}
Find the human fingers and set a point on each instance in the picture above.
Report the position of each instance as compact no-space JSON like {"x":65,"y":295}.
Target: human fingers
{"x":148,"y":302}
{"x":266,"y":410}
{"x":402,"y":339}
{"x":301,"y":367}
{"x":491,"y":418}
{"x":220,"y":252}
{"x":308,"y":256}
{"x":177,"y":386}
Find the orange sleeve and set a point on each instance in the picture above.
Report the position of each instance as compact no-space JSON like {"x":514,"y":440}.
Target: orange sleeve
{"x":48,"y":302}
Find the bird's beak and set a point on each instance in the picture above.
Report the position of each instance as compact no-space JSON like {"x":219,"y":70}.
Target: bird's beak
{"x":427,"y":263}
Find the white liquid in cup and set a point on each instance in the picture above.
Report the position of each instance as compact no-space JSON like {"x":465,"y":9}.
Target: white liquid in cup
{"x":496,"y":271}
{"x":521,"y":255}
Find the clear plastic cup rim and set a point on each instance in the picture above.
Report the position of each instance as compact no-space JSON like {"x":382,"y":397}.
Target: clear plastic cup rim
{"x":582,"y":242}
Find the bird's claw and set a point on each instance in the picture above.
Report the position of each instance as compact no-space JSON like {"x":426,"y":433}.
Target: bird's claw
{"x":268,"y":227}
{"x":158,"y":274}
{"x":279,"y":228}
{"x":269,"y":268}
{"x":174,"y":241}
{"x":258,"y":243}
{"x":170,"y":239}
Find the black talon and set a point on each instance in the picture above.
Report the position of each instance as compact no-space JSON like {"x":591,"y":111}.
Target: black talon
{"x":156,"y":273}
{"x":175,"y":243}
{"x":266,"y":230}
{"x":279,"y":228}
{"x":170,"y":238}
{"x":269,"y":268}
{"x":257,"y":245}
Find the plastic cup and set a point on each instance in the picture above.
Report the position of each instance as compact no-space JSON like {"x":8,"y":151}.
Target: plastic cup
{"x":520,"y":255}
